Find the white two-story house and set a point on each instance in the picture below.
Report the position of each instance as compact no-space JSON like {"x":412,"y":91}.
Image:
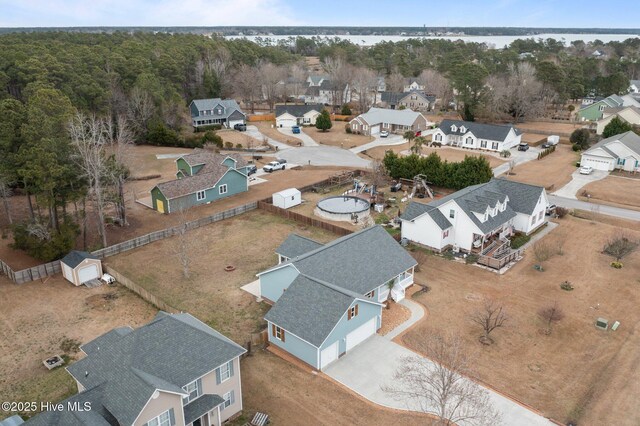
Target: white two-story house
{"x":468,"y":134}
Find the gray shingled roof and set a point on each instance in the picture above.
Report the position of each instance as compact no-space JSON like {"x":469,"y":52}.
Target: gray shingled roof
{"x":207,"y":177}
{"x":492,"y":132}
{"x":402,"y":117}
{"x":106,"y":339}
{"x":200,"y":406}
{"x":297,"y":110}
{"x":628,"y":139}
{"x":310,"y":309}
{"x":229,"y":105}
{"x":168,"y":353}
{"x":296,"y":245}
{"x":415,"y":209}
{"x":97,"y":416}
{"x":358,"y":262}
{"x":523,"y":198}
{"x":75,"y":257}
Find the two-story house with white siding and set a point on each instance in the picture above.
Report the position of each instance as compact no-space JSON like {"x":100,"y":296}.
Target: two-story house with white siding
{"x":477,"y":218}
{"x":468,"y":134}
{"x":175,"y":370}
{"x":208,"y":112}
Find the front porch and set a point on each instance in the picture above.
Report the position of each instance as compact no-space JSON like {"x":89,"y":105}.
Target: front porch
{"x":400,"y":284}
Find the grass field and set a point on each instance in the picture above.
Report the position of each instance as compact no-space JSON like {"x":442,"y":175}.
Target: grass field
{"x":337,"y":136}
{"x":613,"y":190}
{"x":553,"y":171}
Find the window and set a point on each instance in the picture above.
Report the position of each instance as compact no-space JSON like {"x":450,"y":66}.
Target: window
{"x":494,"y":145}
{"x":621,"y":161}
{"x":223,"y":189}
{"x":194,"y":389}
{"x":454,"y":128}
{"x":540,"y":215}
{"x":469,"y":140}
{"x":483,"y":144}
{"x":225,"y":372}
{"x":601,"y":107}
{"x":277,"y":332}
{"x":352,"y":312}
{"x":370,"y":294}
{"x":452,"y":214}
{"x":463,"y":129}
{"x":163,"y":419}
{"x":439,"y":137}
{"x":445,"y":234}
{"x":533,"y":220}
{"x":200,"y":195}
{"x":229,"y":398}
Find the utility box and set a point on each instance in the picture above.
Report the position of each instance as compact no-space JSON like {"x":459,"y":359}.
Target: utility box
{"x":602,"y":323}
{"x":287,"y":198}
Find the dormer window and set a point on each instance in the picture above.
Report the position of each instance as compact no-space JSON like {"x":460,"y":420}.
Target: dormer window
{"x":219,"y":111}
{"x":463,"y":129}
{"x":454,"y":128}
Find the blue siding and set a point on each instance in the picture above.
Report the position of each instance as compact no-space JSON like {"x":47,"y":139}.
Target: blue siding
{"x":366,"y":311}
{"x":273,"y":284}
{"x":182,"y":165}
{"x":194,"y":110}
{"x":296,"y":347}
{"x":236,"y":183}
{"x":229,"y":162}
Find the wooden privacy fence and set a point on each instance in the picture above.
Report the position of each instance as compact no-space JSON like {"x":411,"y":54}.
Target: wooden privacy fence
{"x":51,"y":268}
{"x":140,"y":291}
{"x":261,"y":117}
{"x":338,"y":230}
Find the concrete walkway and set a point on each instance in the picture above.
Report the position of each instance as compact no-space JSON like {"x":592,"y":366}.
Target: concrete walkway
{"x":417,"y":313}
{"x":253,"y":288}
{"x":578,"y":181}
{"x":371,"y":365}
{"x":305,"y":138}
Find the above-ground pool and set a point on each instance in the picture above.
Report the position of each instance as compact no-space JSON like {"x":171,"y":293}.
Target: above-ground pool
{"x":343,"y":207}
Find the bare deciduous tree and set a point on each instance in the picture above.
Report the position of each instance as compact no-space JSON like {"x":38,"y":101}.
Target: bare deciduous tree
{"x":518,"y":94}
{"x":490,"y":316}
{"x":182,"y":246}
{"x":550,"y":314}
{"x":437,"y":384}
{"x":246,"y":85}
{"x":395,"y":82}
{"x":542,"y":251}
{"x":619,"y":246}
{"x":365,"y":84}
{"x":88,"y":139}
{"x":297,"y":81}
{"x":271,"y":76}
{"x":340,"y":75}
{"x":436,"y":84}
{"x":140,"y":110}
{"x":120,"y":138}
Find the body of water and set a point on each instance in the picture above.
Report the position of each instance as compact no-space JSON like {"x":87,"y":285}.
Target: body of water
{"x":497,"y":42}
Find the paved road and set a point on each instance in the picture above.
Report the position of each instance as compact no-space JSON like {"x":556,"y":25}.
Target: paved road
{"x":323,"y":156}
{"x":578,"y":181}
{"x":599,"y":208}
{"x":305,"y":138}
{"x":372,"y":364}
{"x":378,"y":141}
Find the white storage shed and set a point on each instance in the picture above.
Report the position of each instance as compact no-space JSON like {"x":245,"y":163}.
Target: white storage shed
{"x":79,"y":267}
{"x":553,"y":140}
{"x":287,"y":198}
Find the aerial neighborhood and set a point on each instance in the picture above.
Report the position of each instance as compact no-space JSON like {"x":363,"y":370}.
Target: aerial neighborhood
{"x":239,"y":225}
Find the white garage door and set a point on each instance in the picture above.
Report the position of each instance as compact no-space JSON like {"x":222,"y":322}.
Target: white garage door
{"x":375,"y":129}
{"x":88,"y":273}
{"x":596,"y":163}
{"x":286,"y":122}
{"x":234,"y":122}
{"x":361,"y":333}
{"x":328,"y":355}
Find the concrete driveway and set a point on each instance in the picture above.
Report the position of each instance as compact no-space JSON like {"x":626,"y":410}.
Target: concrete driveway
{"x":323,"y":156}
{"x":372,"y":364}
{"x":578,"y":181}
{"x":305,"y":138}
{"x":519,"y":157}
{"x":255,"y":133}
{"x":378,"y":141}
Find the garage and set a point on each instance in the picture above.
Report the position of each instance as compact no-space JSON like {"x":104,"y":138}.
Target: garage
{"x":597,"y":163}
{"x":79,"y":267}
{"x":328,"y":355}
{"x":375,"y":129}
{"x":232,"y":123}
{"x":361,"y":333}
{"x":286,"y":120}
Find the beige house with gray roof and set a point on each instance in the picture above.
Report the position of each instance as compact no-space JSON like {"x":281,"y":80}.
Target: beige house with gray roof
{"x":377,"y":120}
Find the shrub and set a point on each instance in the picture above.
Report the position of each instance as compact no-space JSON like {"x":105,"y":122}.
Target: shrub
{"x":345,"y":110}
{"x":207,"y":128}
{"x":519,"y":240}
{"x":448,"y":255}
{"x":161,"y":135}
{"x":561,"y":212}
{"x":576,"y":147}
{"x":239,"y":146}
{"x":581,"y":137}
{"x":471,"y":259}
{"x":212,"y":137}
{"x":228,"y":145}
{"x":505,"y":153}
{"x":46,"y":245}
{"x":617,"y":265}
{"x":619,"y":246}
{"x":436,"y":144}
{"x":347,"y":129}
{"x":566,"y":286}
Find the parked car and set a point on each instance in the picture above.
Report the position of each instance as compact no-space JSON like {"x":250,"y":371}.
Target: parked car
{"x":281,"y":160}
{"x":523,"y":147}
{"x":295,"y":129}
{"x":586,"y":170}
{"x":251,"y":169}
{"x":546,"y":145}
{"x":240,"y":127}
{"x":384,"y":134}
{"x":551,"y":208}
{"x":274,"y":165}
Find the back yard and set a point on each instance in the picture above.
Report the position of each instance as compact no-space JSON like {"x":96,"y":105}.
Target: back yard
{"x":553,"y":171}
{"x":38,"y":320}
{"x":618,"y":191}
{"x":337,"y":136}
{"x":577,"y":373}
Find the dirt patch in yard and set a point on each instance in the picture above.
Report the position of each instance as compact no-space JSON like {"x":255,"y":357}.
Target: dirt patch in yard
{"x":577,"y":372}
{"x":615,"y":191}
{"x":246,"y":243}
{"x":239,"y":138}
{"x":552,"y":172}
{"x":378,"y":152}
{"x":267,"y":128}
{"x":337,"y":136}
{"x":560,"y":127}
{"x":38,"y":320}
{"x":295,"y":397}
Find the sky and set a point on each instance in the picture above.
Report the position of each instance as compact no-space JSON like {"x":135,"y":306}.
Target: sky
{"x":436,"y":13}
